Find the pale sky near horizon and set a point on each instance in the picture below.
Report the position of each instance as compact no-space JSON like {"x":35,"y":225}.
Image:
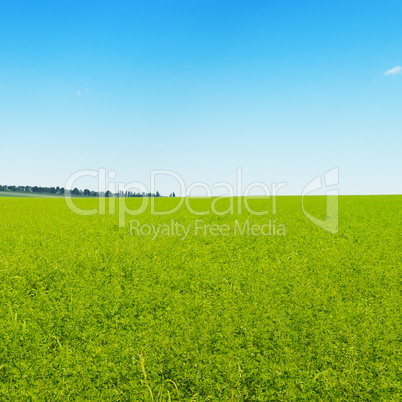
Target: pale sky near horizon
{"x":283,"y":90}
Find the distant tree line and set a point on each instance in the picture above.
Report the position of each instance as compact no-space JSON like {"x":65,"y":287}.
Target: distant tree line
{"x":33,"y":189}
{"x":76,"y":192}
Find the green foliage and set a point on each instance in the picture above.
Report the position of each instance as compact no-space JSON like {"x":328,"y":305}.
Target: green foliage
{"x":89,"y":312}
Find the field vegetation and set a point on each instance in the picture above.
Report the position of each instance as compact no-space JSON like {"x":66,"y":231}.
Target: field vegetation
{"x":90,"y":311}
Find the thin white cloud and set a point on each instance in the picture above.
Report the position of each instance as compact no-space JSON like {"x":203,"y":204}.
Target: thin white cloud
{"x":79,"y":93}
{"x":393,"y":71}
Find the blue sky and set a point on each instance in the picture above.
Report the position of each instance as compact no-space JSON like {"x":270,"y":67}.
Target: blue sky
{"x":284,"y":90}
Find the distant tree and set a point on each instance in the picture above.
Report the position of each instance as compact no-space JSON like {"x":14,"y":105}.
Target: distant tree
{"x":76,"y":191}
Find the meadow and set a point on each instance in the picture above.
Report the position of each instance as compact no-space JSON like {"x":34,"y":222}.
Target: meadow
{"x":90,"y":311}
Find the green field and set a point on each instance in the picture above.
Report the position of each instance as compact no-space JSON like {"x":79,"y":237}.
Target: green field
{"x":23,"y":194}
{"x":90,"y":312}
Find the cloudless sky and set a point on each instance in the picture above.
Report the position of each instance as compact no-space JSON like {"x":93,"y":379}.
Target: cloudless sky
{"x":285,"y":90}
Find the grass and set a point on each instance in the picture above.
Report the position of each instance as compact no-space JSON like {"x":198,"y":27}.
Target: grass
{"x":35,"y":195}
{"x":30,"y":195}
{"x":89,"y":312}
